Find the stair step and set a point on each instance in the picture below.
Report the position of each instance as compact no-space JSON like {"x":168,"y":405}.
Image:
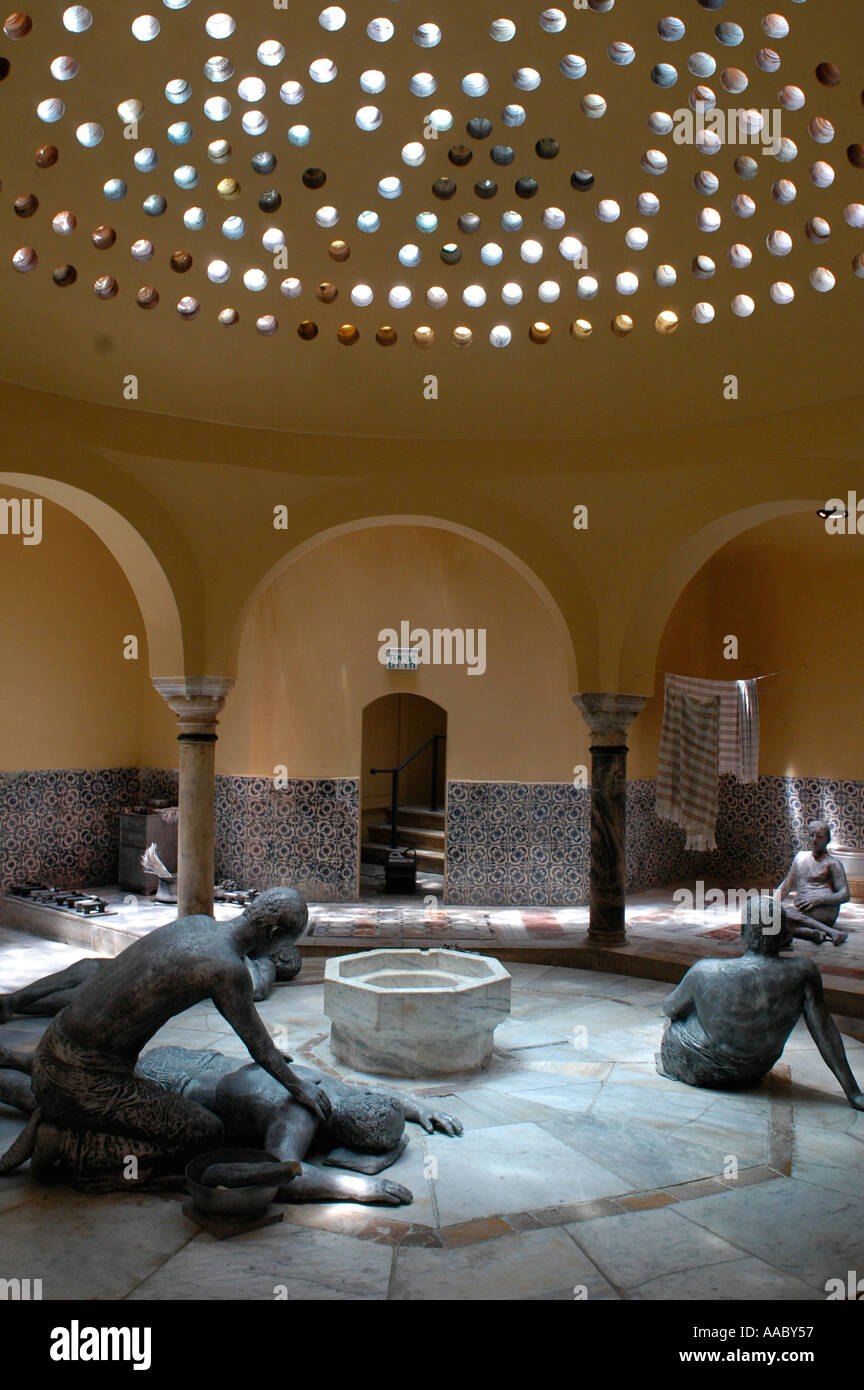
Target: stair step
{"x":420,"y":816}
{"x":417,"y":837}
{"x":428,"y":860}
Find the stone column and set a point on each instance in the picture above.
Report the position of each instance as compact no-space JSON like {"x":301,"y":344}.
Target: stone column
{"x":196,"y":701}
{"x":608,"y":717}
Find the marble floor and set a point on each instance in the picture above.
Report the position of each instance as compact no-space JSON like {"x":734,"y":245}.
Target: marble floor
{"x":581,"y":1173}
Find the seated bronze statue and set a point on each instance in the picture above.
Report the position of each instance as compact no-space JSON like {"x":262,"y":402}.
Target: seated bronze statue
{"x":818,"y":881}
{"x":729,"y":1019}
{"x":45,"y":997}
{"x":365,"y":1131}
{"x":94,"y":1113}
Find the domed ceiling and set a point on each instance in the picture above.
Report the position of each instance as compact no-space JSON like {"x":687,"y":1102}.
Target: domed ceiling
{"x":435,"y":220}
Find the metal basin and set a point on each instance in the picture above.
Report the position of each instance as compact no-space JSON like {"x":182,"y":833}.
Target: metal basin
{"x":230,"y":1201}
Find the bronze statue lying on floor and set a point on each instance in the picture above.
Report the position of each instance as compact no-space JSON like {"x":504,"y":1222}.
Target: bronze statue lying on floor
{"x":45,"y":997}
{"x":365,"y":1131}
{"x":729,"y":1019}
{"x":100,"y":1126}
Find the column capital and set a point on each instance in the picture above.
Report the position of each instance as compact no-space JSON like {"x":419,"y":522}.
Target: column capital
{"x":196,"y":700}
{"x":609,"y":716}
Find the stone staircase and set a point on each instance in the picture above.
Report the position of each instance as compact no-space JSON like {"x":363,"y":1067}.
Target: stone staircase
{"x":416,"y":828}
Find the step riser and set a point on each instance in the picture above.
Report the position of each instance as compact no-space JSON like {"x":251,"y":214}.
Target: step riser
{"x":427,"y":860}
{"x":407,"y":835}
{"x":420,"y":819}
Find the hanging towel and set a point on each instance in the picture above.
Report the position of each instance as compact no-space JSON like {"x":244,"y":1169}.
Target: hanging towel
{"x":687,"y":782}
{"x":748,"y":730}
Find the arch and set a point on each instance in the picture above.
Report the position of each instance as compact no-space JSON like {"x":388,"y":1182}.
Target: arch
{"x":436,"y":523}
{"x":147,"y":578}
{"x":659,"y":596}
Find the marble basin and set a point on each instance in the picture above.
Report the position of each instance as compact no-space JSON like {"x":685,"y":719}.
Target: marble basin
{"x":415,"y":1013}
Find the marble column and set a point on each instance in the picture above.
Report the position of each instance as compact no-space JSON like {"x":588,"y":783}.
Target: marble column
{"x":196,"y":701}
{"x":608,"y":717}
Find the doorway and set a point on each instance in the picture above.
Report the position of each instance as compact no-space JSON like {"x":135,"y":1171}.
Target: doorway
{"x":407,"y":733}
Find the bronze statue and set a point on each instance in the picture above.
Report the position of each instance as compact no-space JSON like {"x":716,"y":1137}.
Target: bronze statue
{"x":728,"y":1020}
{"x":99,"y":1125}
{"x":365,"y":1130}
{"x":45,"y":997}
{"x":819,"y":883}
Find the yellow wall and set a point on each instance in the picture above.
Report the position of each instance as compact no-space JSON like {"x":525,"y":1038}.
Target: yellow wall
{"x":309,"y":661}
{"x":790,"y":593}
{"x":67,"y":696}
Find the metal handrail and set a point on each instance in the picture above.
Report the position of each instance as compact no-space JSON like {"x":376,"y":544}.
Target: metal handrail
{"x":394,"y":773}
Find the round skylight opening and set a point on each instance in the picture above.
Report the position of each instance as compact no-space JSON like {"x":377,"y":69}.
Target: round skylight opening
{"x":380,"y":30}
{"x":291,"y":287}
{"x":426,"y":222}
{"x":220,"y":26}
{"x":399,"y":297}
{"x":514,"y":115}
{"x":186,"y":176}
{"x":322,"y":70}
{"x":475,"y":84}
{"x":194,"y":219}
{"x":414,"y":153}
{"x":64,"y":69}
{"x":332,"y":18}
{"x":254,"y":122}
{"x":114,"y":189}
{"x":782,"y":292}
{"x":500,"y":336}
{"x":233,"y":228}
{"x":89,"y":134}
{"x":553,"y":21}
{"x":627,"y":282}
{"x":440,"y":119}
{"x":474,"y":296}
{"x":251,"y":89}
{"x":368,"y":118}
{"x":24,"y":259}
{"x":531,"y":252}
{"x":703,"y":312}
{"x":511,"y":221}
{"x":526,"y":79}
{"x":299,"y":135}
{"x":273,"y":240}
{"x":427,"y":36}
{"x":409,"y":255}
{"x":502,"y":30}
{"x":573,"y":66}
{"x":373,"y":81}
{"x":270,"y":53}
{"x":292,"y":93}
{"x":423,"y":84}
{"x":50,"y":110}
{"x":511,"y":293}
{"x":142,"y":250}
{"x":390,"y":187}
{"x":362,"y":296}
{"x":217,"y":108}
{"x":218,"y":68}
{"x":177,"y":91}
{"x":368,"y":221}
{"x":255,"y":280}
{"x":648,"y":204}
{"x":636,"y":238}
{"x":437,"y":297}
{"x":570,"y":248}
{"x":327,"y":216}
{"x":77,"y":19}
{"x":146,"y":28}
{"x":179,"y":133}
{"x":549,"y":291}
{"x":491,"y":253}
{"x":218,"y":271}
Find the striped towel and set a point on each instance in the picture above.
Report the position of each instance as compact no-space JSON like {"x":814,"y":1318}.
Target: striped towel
{"x":739,"y":721}
{"x":687,"y":782}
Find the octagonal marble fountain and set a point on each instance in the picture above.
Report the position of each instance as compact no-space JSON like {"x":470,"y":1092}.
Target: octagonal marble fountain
{"x":415,"y":1013}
